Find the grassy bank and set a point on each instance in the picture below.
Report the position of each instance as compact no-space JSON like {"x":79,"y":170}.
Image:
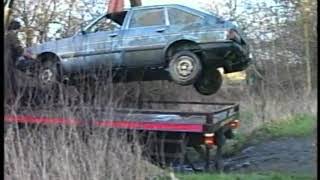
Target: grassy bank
{"x":299,"y":125}
{"x":296,"y":126}
{"x":253,"y":176}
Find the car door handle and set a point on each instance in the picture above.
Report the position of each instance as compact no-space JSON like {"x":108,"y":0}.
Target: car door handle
{"x":161,"y":30}
{"x":113,"y":35}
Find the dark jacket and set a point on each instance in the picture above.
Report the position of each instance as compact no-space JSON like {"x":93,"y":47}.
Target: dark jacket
{"x":14,"y":45}
{"x":13,"y":50}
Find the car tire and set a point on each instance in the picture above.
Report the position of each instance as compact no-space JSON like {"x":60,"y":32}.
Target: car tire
{"x":209,"y":82}
{"x":48,"y":74}
{"x":185,"y":67}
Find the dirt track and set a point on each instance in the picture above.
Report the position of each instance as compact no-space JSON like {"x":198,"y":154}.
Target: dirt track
{"x":288,"y":155}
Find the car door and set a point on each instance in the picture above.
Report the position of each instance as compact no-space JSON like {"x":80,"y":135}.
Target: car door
{"x":96,"y":46}
{"x":144,"y":38}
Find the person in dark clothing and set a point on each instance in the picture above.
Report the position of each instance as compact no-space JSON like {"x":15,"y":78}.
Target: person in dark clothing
{"x":20,"y":58}
{"x":13,"y":50}
{"x":13,"y":41}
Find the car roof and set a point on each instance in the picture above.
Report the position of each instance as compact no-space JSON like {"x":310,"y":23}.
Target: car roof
{"x":168,"y":5}
{"x":156,"y":6}
{"x":153,"y":6}
{"x":125,"y":10}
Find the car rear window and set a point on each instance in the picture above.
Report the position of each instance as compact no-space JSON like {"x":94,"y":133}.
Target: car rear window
{"x":177,"y":16}
{"x":148,"y":17}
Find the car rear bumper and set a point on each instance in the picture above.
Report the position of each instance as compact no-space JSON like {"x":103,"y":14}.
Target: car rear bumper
{"x":229,"y":55}
{"x":240,"y":65}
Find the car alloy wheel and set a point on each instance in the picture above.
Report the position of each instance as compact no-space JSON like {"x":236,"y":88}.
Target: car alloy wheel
{"x":47,"y":76}
{"x":185,"y":67}
{"x":48,"y":73}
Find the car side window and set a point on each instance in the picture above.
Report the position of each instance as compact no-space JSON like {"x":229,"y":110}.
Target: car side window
{"x":177,"y":17}
{"x":103,"y":24}
{"x":147,"y":17}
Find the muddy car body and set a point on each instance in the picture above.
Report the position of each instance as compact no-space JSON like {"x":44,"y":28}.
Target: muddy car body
{"x":168,"y":42}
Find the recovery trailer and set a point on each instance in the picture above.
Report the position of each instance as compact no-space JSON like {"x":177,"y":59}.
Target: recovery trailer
{"x":167,"y":128}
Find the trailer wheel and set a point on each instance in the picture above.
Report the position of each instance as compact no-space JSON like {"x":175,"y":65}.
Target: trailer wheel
{"x":185,"y":67}
{"x":209,"y":82}
{"x":219,"y":165}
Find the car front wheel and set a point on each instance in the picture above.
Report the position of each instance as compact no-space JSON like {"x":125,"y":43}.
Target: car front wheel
{"x":185,"y":67}
{"x":209,"y":82}
{"x":48,"y":74}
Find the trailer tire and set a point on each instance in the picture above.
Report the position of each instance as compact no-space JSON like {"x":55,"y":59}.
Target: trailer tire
{"x":219,"y":165}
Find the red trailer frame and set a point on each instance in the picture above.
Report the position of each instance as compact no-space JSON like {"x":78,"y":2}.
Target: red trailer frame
{"x":200,"y":127}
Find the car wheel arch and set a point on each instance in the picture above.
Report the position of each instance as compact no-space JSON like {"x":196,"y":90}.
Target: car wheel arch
{"x":173,"y":46}
{"x":53,"y":56}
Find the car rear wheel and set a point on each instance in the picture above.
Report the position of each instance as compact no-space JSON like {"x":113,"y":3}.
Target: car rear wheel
{"x":209,"y":82}
{"x":185,"y":67}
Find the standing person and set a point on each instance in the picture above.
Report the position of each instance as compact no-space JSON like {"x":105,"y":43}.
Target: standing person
{"x":13,"y":41}
{"x":13,"y":50}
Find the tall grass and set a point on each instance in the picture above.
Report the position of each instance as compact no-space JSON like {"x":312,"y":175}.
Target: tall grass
{"x":62,"y":153}
{"x":59,"y":152}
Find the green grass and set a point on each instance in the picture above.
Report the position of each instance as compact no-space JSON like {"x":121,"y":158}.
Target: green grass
{"x":296,"y":126}
{"x":299,"y":125}
{"x":251,"y":176}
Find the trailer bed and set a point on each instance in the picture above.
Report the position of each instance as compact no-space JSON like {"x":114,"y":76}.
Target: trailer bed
{"x":187,"y":119}
{"x":165,"y":129}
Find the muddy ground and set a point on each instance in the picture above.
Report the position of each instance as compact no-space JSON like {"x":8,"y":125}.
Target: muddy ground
{"x":288,"y":155}
{"x":296,"y":155}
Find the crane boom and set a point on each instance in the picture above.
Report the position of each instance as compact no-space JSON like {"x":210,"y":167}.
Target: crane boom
{"x":115,"y":6}
{"x":118,"y":5}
